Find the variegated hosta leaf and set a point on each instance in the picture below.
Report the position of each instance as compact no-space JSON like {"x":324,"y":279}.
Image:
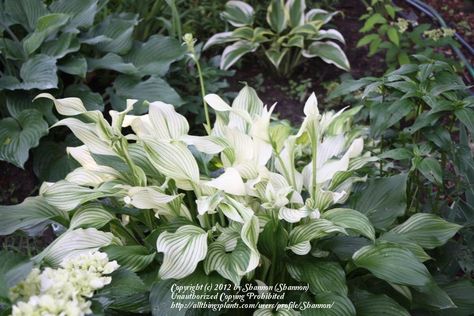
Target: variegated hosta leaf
{"x":85,"y":177}
{"x":219,"y":38}
{"x":73,"y":243}
{"x":147,"y":197}
{"x":91,"y":215}
{"x":174,"y":160}
{"x":292,"y":215}
{"x":31,"y":213}
{"x":300,"y":237}
{"x":328,"y":51}
{"x":238,"y":13}
{"x":279,"y":312}
{"x":182,"y":250}
{"x":295,"y":9}
{"x":234,"y":52}
{"x":166,"y":122}
{"x":277,"y":16}
{"x":134,"y":258}
{"x":83,"y":156}
{"x":330,"y":34}
{"x":351,"y":219}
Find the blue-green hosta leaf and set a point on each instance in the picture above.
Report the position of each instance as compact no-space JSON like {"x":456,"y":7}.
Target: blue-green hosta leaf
{"x":277,"y":16}
{"x":18,"y":135}
{"x":134,"y":258}
{"x":46,"y":26}
{"x":295,"y":9}
{"x":427,"y":230}
{"x":235,"y":51}
{"x":59,"y":47}
{"x":182,"y":250}
{"x":91,"y":215}
{"x":351,"y":219}
{"x":330,"y":52}
{"x":392,"y":263}
{"x":38,"y":72}
{"x":322,"y":276}
{"x":82,"y":12}
{"x":73,"y":243}
{"x":406,"y":243}
{"x":238,"y":13}
{"x":370,"y":304}
{"x":155,"y":55}
{"x":383,"y":200}
{"x":25,"y":13}
{"x":113,"y":62}
{"x":300,"y":237}
{"x":33,"y":211}
{"x":74,"y":65}
{"x":336,"y":305}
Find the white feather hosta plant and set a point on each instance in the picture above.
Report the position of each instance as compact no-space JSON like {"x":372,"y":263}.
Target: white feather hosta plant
{"x":250,"y":202}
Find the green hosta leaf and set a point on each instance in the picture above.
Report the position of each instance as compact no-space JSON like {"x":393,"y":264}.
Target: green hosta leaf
{"x":18,"y":135}
{"x":351,"y":219}
{"x":91,"y":215}
{"x":431,"y":297}
{"x":461,"y":292}
{"x":301,"y":236}
{"x":369,"y":304}
{"x":46,"y":25}
{"x":397,"y":154}
{"x":183,"y":250}
{"x":235,"y":51}
{"x":466,"y":116}
{"x":322,"y":276}
{"x":238,"y":13}
{"x":339,"y":305}
{"x":330,"y":52}
{"x":343,"y":246}
{"x":295,"y":9}
{"x":427,"y":230}
{"x":383,"y":200}
{"x":431,"y":170}
{"x":113,"y":62}
{"x":82,"y":12}
{"x":406,"y":243}
{"x":50,"y":161}
{"x":277,"y":16}
{"x":73,"y":243}
{"x":59,"y":47}
{"x":38,"y":72}
{"x":74,"y":65}
{"x":392,"y":263}
{"x":392,"y":34}
{"x":25,"y":13}
{"x":134,"y":258}
{"x":31,"y":213}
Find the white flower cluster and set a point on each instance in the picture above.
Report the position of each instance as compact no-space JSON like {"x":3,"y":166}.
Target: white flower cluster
{"x":63,"y":291}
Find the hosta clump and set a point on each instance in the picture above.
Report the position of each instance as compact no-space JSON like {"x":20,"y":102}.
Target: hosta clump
{"x":252,"y":202}
{"x":292,"y":34}
{"x":65,"y":290}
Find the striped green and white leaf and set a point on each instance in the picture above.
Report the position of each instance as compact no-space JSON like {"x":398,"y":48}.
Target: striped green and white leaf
{"x":219,"y":38}
{"x":351,"y":219}
{"x":73,"y":243}
{"x":167,"y":123}
{"x":406,"y":243}
{"x":134,"y":258}
{"x":238,"y":13}
{"x":279,"y":312}
{"x":301,"y":236}
{"x":295,"y":9}
{"x":427,"y":230}
{"x":234,"y":52}
{"x":328,"y":51}
{"x":147,"y":197}
{"x":182,"y":250}
{"x":336,"y":305}
{"x":66,"y":106}
{"x":392,"y":263}
{"x":32,"y":212}
{"x":277,"y":16}
{"x":91,"y":215}
{"x":18,"y":135}
{"x":370,"y":304}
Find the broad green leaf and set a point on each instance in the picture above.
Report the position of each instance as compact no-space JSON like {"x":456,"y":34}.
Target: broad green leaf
{"x":330,"y":52}
{"x":74,"y":65}
{"x":367,"y":39}
{"x":13,"y":269}
{"x":114,"y":34}
{"x":31,"y":213}
{"x":397,"y":154}
{"x":73,"y":243}
{"x":351,"y":219}
{"x":466,"y":116}
{"x":300,"y":237}
{"x":18,"y":135}
{"x":46,"y":26}
{"x":182,"y":250}
{"x":392,"y":263}
{"x":91,"y":215}
{"x":25,"y":13}
{"x":82,"y":12}
{"x":431,"y":170}
{"x":431,"y":297}
{"x":383,"y":200}
{"x":50,"y":161}
{"x":461,"y":292}
{"x":392,"y":34}
{"x":295,"y":9}
{"x":369,"y":304}
{"x":113,"y":62}
{"x":427,"y":230}
{"x":38,"y":72}
{"x":234,"y":52}
{"x":375,"y":19}
{"x":134,"y":258}
{"x":407,"y":243}
{"x":338,"y":305}
{"x":322,"y":276}
{"x":343,"y":246}
{"x":277,"y":17}
{"x":61,"y":46}
{"x":238,"y":13}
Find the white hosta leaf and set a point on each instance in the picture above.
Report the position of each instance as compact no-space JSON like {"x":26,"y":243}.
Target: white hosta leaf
{"x":238,"y":13}
{"x":167,"y":124}
{"x":67,"y":196}
{"x":73,"y":243}
{"x":300,"y":237}
{"x":230,"y":182}
{"x":208,"y":204}
{"x":173,"y":160}
{"x":86,"y":177}
{"x":147,"y":197}
{"x":311,"y":106}
{"x":91,"y":215}
{"x":234,"y":52}
{"x":330,"y":52}
{"x":183,"y":250}
{"x":88,"y":134}
{"x":292,"y":215}
{"x":247,"y":101}
{"x":83,"y":156}
{"x":207,"y":144}
{"x":219,"y":105}
{"x":31,"y":212}
{"x":332,"y":146}
{"x":66,"y":106}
